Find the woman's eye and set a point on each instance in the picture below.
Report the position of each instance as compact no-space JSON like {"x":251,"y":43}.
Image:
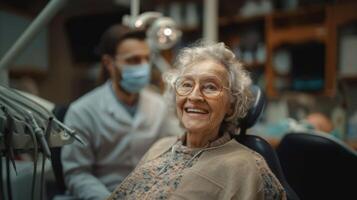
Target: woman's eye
{"x":186,"y":85}
{"x":210,"y":87}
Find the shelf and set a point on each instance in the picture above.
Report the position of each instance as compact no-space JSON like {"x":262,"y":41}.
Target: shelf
{"x":348,"y":78}
{"x":254,"y":65}
{"x":298,"y":34}
{"x":238,"y":19}
{"x":226,"y":21}
{"x":299,"y":12}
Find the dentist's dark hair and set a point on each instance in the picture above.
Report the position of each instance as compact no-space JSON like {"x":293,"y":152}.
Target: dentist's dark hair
{"x":109,"y":42}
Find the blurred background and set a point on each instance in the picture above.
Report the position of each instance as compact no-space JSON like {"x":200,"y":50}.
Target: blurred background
{"x":302,"y":53}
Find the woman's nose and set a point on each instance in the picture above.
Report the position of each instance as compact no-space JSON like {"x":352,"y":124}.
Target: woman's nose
{"x":196,"y":93}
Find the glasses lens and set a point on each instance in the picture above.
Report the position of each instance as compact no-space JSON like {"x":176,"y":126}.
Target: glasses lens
{"x":184,"y":85}
{"x":210,"y":86}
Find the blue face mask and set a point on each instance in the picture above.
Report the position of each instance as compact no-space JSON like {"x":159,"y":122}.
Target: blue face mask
{"x":135,"y":77}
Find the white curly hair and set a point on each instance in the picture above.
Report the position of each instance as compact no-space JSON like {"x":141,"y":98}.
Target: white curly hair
{"x":239,"y":79}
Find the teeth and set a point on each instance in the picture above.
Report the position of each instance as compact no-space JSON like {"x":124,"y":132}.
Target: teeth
{"x":195,"y":110}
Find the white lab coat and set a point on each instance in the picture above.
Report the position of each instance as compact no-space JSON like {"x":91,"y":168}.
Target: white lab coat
{"x":116,"y":141}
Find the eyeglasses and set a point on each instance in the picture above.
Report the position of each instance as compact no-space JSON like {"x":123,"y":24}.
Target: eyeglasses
{"x":209,"y":86}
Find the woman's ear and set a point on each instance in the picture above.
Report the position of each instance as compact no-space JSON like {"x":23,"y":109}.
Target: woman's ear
{"x":230,"y":110}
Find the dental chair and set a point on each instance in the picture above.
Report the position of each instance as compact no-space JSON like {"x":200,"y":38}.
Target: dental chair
{"x":258,"y":144}
{"x":318,"y":166}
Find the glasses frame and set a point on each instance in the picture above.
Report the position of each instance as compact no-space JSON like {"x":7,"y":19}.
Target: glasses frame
{"x":200,"y":88}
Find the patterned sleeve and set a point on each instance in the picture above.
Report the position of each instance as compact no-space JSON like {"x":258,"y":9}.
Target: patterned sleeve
{"x":271,"y":187}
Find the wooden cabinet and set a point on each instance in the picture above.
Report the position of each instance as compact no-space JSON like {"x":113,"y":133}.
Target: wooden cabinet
{"x":304,"y":26}
{"x":301,"y":27}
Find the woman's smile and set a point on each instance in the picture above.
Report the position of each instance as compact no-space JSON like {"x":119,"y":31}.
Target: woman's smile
{"x":196,"y":112}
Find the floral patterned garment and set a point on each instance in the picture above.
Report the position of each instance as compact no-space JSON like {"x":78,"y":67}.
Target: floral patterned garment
{"x":271,"y":188}
{"x":159,"y":178}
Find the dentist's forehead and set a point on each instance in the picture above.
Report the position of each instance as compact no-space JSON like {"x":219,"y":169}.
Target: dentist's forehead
{"x":130,"y":47}
{"x":133,"y":54}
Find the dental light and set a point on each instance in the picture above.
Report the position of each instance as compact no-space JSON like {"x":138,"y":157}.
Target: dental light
{"x":162,"y":32}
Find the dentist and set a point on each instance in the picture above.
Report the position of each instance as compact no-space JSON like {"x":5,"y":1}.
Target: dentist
{"x":120,"y":119}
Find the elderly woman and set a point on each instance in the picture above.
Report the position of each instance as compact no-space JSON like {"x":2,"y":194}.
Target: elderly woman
{"x":211,"y":94}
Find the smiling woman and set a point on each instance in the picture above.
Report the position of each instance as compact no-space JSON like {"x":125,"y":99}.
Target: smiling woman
{"x":203,"y":108}
{"x":211,"y":94}
{"x":213,"y":66}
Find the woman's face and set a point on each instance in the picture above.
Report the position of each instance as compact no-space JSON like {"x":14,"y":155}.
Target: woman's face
{"x":203,"y":109}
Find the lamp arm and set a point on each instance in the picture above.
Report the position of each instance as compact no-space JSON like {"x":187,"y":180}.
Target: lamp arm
{"x":37,"y":24}
{"x":134,"y":9}
{"x":160,"y":62}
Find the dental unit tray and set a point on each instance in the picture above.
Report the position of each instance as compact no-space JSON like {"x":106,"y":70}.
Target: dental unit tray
{"x":22,"y":121}
{"x":27,"y":127}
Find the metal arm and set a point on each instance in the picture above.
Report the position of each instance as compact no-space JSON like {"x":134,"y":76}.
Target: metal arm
{"x":32,"y":30}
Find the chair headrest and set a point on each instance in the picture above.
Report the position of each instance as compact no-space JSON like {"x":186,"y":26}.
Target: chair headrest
{"x":255,"y":110}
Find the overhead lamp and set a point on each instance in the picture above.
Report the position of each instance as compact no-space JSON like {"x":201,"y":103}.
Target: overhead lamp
{"x":162,"y":32}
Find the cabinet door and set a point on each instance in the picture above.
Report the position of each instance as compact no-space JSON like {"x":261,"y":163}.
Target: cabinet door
{"x":305,"y":34}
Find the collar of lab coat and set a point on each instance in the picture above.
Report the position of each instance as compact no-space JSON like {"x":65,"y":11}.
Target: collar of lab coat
{"x":115,"y":109}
